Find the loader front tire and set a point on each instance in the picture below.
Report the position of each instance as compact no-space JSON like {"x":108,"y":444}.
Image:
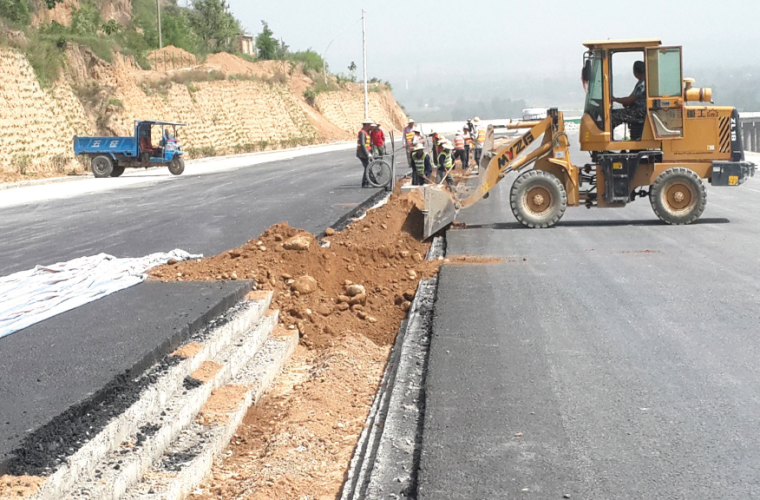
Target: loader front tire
{"x":538,"y":199}
{"x":678,"y":196}
{"x":101,"y":166}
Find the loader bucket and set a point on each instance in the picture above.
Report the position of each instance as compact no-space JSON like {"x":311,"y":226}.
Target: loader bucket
{"x":440,"y":209}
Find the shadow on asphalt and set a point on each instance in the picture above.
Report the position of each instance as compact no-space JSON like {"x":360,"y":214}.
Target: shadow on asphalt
{"x":593,"y":223}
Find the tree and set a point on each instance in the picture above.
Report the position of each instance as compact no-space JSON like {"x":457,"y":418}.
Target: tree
{"x":212,"y":21}
{"x":268,"y":47}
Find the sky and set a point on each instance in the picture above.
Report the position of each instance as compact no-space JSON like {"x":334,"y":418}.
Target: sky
{"x":514,"y":47}
{"x":451,"y":39}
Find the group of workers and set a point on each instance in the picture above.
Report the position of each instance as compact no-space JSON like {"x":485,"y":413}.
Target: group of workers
{"x":424,"y":153}
{"x":442,"y":151}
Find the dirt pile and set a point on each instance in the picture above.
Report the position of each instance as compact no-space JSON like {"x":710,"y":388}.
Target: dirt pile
{"x":231,"y":64}
{"x":315,"y":287}
{"x":170,"y":58}
{"x":19,"y":486}
{"x":347,"y":300}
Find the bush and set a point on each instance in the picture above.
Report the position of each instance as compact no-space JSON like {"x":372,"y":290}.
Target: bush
{"x":310,"y":60}
{"x":17,"y":12}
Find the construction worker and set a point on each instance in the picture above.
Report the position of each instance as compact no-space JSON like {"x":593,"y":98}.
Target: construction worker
{"x":459,"y":149}
{"x":378,"y":141}
{"x":434,"y":147}
{"x":409,"y":141}
{"x":446,"y":164}
{"x":364,"y":149}
{"x":423,"y":169}
{"x":479,"y":138}
{"x":467,"y":146}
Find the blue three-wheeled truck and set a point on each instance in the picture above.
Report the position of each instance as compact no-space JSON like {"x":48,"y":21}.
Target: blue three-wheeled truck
{"x":109,"y":156}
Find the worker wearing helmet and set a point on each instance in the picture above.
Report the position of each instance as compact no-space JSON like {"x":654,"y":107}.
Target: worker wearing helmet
{"x":378,"y":141}
{"x":422,"y":168}
{"x":364,"y":149}
{"x":478,"y":139}
{"x":459,"y":149}
{"x":467,"y":146}
{"x":445,"y":164}
{"x":409,"y":141}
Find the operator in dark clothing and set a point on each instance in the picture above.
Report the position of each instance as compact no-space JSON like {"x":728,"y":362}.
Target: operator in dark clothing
{"x":364,"y":149}
{"x":635,"y":110}
{"x":422,"y":168}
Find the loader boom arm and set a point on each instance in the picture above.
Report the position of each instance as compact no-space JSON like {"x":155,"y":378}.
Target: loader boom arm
{"x":496,"y":163}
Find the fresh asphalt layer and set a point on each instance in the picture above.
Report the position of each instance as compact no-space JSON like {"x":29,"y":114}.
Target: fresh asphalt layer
{"x":65,"y":360}
{"x":609,"y":357}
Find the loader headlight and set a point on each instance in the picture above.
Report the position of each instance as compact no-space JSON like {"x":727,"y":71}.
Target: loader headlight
{"x":172,"y":146}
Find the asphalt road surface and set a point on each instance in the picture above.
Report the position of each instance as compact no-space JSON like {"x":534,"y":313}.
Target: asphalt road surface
{"x":65,"y":360}
{"x":201,"y":214}
{"x":609,"y":357}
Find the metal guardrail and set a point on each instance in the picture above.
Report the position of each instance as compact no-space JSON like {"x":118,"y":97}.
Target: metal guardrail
{"x":751,"y":130}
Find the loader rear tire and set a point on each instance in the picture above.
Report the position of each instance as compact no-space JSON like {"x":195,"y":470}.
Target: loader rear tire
{"x":101,"y":166}
{"x":678,"y":196}
{"x":538,"y":199}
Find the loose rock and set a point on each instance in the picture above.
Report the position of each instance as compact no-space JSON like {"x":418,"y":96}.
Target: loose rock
{"x":305,"y":285}
{"x":353,"y":290}
{"x":298,"y":242}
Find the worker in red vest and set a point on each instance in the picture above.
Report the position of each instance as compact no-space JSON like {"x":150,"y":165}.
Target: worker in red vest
{"x":378,"y":141}
{"x":459,"y":149}
{"x":364,"y":149}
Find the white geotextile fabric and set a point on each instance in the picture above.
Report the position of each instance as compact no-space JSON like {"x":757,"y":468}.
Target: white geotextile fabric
{"x":28,"y":297}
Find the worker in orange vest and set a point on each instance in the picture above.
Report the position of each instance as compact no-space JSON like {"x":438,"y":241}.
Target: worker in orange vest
{"x":459,"y":149}
{"x":409,"y":141}
{"x":364,"y":149}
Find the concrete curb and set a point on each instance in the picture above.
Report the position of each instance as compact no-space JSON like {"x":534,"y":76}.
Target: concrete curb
{"x":123,"y":470}
{"x":82,"y":464}
{"x":170,"y":480}
{"x":385,"y":460}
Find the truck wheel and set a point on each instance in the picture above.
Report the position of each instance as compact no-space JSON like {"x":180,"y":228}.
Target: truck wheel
{"x":538,"y":199}
{"x":101,"y":166}
{"x":177,"y":165}
{"x":678,"y":196}
{"x":117,"y":170}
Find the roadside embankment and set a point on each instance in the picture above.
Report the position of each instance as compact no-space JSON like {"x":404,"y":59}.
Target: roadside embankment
{"x":230,"y":106}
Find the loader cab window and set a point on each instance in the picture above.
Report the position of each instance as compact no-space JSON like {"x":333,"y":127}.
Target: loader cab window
{"x":665,"y":86}
{"x":593,"y":81}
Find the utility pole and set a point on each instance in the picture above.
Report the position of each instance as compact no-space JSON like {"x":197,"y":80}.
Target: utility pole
{"x":158,"y":10}
{"x":364,"y":43}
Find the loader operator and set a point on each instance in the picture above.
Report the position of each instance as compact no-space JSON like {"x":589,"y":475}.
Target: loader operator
{"x":364,"y":149}
{"x":422,"y":168}
{"x":635,"y":111}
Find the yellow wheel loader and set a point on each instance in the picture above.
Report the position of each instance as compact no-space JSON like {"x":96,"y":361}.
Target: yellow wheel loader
{"x":664,"y":159}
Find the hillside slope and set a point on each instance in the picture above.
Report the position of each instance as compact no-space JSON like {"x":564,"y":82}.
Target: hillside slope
{"x":229,"y":105}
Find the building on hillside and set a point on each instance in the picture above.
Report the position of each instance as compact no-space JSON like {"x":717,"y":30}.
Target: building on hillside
{"x":245,"y":44}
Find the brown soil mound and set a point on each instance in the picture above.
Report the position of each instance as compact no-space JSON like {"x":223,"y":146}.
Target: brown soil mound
{"x":348,"y":301}
{"x":382,"y":253}
{"x":234,"y":65}
{"x":171,"y":57}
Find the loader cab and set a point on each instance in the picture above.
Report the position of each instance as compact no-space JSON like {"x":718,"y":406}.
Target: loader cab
{"x":607,"y":73}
